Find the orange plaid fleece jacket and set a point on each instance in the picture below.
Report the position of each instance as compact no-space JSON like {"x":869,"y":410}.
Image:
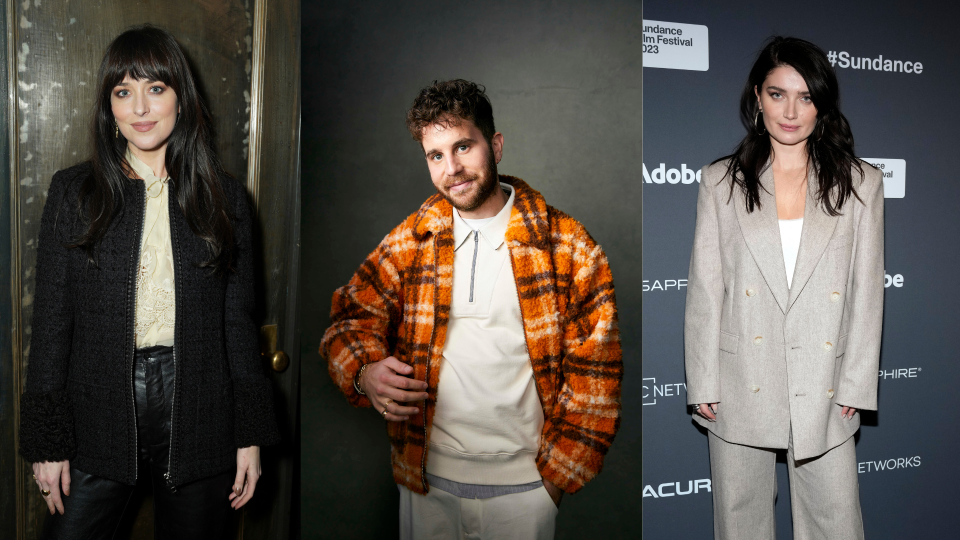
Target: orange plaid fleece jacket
{"x":398,"y":303}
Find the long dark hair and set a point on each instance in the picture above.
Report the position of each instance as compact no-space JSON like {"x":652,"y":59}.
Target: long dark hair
{"x":829,"y":147}
{"x":148,"y":52}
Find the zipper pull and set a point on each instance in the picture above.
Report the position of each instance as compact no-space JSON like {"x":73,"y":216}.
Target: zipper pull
{"x":473,"y":268}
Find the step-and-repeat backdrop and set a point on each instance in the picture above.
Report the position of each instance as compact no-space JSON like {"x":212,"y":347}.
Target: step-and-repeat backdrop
{"x":899,"y":69}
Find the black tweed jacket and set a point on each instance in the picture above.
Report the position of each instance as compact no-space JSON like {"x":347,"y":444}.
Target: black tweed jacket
{"x":78,"y":402}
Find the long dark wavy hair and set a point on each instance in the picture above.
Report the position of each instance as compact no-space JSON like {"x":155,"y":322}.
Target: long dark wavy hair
{"x":148,"y":52}
{"x":829,"y":147}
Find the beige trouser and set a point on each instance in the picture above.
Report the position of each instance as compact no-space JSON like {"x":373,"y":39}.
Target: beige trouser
{"x":438,"y":515}
{"x":824,"y":493}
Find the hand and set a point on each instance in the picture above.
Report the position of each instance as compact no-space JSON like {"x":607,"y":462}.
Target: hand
{"x":248,"y":472}
{"x":708,"y":411}
{"x":847,"y":412}
{"x":51,"y":475}
{"x":386,"y":387}
{"x":555,"y":493}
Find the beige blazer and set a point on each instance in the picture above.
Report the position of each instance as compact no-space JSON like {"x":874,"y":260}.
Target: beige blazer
{"x":779,"y":358}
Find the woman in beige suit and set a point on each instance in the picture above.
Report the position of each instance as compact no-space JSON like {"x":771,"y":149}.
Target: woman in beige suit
{"x":785,"y":302}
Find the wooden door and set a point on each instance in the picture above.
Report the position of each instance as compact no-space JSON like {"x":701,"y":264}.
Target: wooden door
{"x":245,"y":54}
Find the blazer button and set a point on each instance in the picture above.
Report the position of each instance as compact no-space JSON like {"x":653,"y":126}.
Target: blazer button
{"x":834,"y":296}
{"x":758,"y":340}
{"x":827,"y":346}
{"x":830,"y":393}
{"x":754,"y":389}
{"x":751,"y":292}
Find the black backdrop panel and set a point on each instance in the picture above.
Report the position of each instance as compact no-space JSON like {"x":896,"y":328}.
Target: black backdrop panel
{"x":906,"y":451}
{"x":565,"y":81}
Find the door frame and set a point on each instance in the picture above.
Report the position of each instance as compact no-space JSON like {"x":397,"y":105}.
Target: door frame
{"x":11,"y":466}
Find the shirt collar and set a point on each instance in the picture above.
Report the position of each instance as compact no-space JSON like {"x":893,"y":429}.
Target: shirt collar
{"x":493,"y":232}
{"x":141,"y":168}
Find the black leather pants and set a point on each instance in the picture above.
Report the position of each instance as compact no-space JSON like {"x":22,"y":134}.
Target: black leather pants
{"x":196,"y":510}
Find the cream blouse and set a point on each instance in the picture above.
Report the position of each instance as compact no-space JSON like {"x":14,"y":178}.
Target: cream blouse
{"x":156,"y":308}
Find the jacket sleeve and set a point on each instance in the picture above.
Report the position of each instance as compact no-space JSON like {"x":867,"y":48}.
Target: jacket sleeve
{"x":586,"y":416}
{"x":365,"y":315}
{"x":701,"y":326}
{"x":857,"y":386}
{"x":46,"y":417}
{"x":255,"y":423}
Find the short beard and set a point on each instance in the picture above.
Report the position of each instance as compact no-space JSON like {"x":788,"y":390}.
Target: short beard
{"x":489,"y":182}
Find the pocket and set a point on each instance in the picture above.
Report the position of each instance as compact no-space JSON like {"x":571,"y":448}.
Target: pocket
{"x":728,"y":342}
{"x":841,"y":345}
{"x":549,"y":499}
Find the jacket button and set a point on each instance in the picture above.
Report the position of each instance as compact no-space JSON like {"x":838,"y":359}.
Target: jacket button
{"x":751,"y":292}
{"x":758,"y":340}
{"x":830,"y":393}
{"x":754,"y":388}
{"x":827,"y":346}
{"x":834,"y":296}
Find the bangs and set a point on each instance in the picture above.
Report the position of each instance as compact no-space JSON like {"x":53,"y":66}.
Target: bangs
{"x":142,"y":55}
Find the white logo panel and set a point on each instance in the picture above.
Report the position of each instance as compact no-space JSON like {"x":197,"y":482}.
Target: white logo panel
{"x":675,"y":46}
{"x":894,"y":176}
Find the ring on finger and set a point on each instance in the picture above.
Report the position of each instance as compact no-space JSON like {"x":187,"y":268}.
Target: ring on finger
{"x":44,"y":492}
{"x":384,"y":413}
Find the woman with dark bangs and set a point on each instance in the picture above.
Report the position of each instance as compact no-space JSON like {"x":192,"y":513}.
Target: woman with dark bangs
{"x":785,"y":303}
{"x":144,"y":358}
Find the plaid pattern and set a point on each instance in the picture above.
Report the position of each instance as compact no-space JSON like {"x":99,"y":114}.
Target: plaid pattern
{"x":398,"y":303}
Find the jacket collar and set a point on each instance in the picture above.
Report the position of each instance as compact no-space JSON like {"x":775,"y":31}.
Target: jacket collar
{"x":761,"y":231}
{"x":528,"y":218}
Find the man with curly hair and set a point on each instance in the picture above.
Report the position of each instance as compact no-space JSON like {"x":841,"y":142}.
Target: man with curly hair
{"x":483,"y":329}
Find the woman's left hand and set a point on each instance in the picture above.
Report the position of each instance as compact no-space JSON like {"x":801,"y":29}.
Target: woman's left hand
{"x":847,"y":412}
{"x":248,"y":472}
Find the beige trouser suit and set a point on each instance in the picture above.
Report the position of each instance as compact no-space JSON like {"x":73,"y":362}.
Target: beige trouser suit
{"x":782,"y":359}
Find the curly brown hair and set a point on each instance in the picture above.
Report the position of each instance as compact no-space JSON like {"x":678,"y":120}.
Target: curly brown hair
{"x":449,"y":103}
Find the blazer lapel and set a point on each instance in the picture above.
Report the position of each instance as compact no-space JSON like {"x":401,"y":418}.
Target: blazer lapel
{"x":761,"y":231}
{"x":818,"y":227}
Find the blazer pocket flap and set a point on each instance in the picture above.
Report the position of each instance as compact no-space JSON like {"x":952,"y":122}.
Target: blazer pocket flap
{"x":728,"y":342}
{"x":841,"y":345}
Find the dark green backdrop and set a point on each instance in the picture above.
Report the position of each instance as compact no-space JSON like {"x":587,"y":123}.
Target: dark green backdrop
{"x":565,"y":81}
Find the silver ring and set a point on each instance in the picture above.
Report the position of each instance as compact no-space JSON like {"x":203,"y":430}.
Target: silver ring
{"x":696,"y":408}
{"x":384,"y":413}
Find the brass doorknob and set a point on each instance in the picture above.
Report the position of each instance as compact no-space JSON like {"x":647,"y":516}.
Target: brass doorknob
{"x":268,"y":349}
{"x":279,"y":361}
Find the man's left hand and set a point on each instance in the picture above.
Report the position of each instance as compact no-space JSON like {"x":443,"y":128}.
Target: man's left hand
{"x":555,"y":493}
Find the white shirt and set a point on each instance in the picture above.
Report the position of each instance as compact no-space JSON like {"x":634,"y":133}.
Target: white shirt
{"x":790,"y":230}
{"x":488,"y":419}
